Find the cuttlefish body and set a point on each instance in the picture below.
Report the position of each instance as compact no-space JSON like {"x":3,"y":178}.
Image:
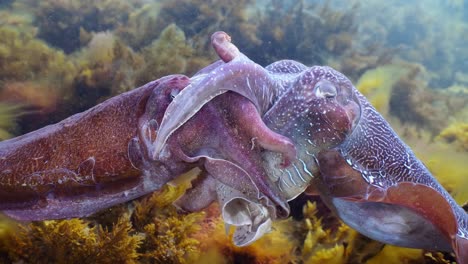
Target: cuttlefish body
{"x":258,"y":136}
{"x":364,"y":172}
{"x":104,"y":156}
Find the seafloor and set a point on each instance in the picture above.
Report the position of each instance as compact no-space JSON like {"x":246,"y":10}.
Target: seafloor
{"x":60,"y":57}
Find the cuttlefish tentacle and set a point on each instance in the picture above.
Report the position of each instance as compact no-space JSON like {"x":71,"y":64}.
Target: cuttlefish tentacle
{"x":238,"y":74}
{"x":242,"y":205}
{"x":234,"y":159}
{"x":261,"y":134}
{"x":252,"y":220}
{"x":231,"y":163}
{"x":221,"y":43}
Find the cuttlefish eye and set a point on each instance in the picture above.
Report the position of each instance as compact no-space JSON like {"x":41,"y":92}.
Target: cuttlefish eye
{"x":325,"y":89}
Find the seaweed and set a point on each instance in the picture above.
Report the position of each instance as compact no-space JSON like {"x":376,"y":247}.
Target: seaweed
{"x":62,"y":22}
{"x":304,"y":31}
{"x":376,"y":84}
{"x":324,"y":244}
{"x":8,"y":116}
{"x":168,"y":233}
{"x":278,"y":246}
{"x":141,"y":28}
{"x":416,"y":32}
{"x":458,"y":133}
{"x":73,"y":241}
{"x":201,"y":18}
{"x":107,"y":67}
{"x":34,"y":76}
{"x":169,"y":54}
{"x":154,"y":232}
{"x":23,"y":57}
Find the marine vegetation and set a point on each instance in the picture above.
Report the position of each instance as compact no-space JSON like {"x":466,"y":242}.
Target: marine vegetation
{"x":33,"y":75}
{"x":23,"y":57}
{"x":309,"y":32}
{"x":152,"y":232}
{"x":8,"y":115}
{"x":64,"y":23}
{"x":73,"y":241}
{"x":169,"y":53}
{"x":61,"y":57}
{"x":457,"y":133}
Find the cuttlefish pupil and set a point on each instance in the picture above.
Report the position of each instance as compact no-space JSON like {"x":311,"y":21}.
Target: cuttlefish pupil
{"x":325,"y":89}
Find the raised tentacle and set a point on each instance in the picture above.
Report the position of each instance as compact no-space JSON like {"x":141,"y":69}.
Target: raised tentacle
{"x":240,"y":75}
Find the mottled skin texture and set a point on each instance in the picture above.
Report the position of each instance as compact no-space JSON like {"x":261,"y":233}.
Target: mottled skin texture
{"x":259,"y":137}
{"x":68,"y":161}
{"x":364,"y":172}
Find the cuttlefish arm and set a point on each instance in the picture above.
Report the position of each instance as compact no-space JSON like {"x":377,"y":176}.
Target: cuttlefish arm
{"x":238,"y":74}
{"x":376,"y":185}
{"x":240,"y":203}
{"x":219,"y":139}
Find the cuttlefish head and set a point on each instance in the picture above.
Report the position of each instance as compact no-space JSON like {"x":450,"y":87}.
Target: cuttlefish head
{"x":319,"y":111}
{"x":332,"y":109}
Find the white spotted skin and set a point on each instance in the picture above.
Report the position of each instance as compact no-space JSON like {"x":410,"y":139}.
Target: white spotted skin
{"x":311,"y":118}
{"x":384,"y":160}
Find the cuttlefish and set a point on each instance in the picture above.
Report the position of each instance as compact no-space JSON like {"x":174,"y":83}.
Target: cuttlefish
{"x":365,"y":173}
{"x":258,"y":136}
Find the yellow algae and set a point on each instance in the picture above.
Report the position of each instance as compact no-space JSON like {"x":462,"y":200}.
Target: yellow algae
{"x":168,"y":233}
{"x":107,"y":65}
{"x":449,"y":167}
{"x":74,"y":241}
{"x":456,"y":133}
{"x":32,"y":73}
{"x":325,"y":245}
{"x":396,"y":255}
{"x":8,"y":115}
{"x":444,"y":161}
{"x":376,"y":84}
{"x":457,"y":89}
{"x":100,"y":48}
{"x":166,"y":55}
{"x":278,"y":246}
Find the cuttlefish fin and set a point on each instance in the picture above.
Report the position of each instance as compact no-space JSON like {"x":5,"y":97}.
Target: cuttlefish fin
{"x":405,"y":214}
{"x":426,"y":201}
{"x":461,"y":249}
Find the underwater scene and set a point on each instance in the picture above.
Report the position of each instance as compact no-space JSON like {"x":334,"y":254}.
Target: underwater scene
{"x":63,"y":57}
